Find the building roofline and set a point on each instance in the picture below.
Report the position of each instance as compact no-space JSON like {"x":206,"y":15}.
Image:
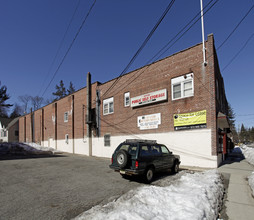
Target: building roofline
{"x":99,"y":83}
{"x":96,"y":82}
{"x":181,"y":51}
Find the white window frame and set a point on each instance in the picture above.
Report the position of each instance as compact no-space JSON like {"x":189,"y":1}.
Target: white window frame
{"x":66,"y":117}
{"x":108,"y":106}
{"x":127,"y":97}
{"x":182,"y":80}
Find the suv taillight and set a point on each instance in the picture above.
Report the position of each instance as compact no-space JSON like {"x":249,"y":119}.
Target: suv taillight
{"x":136,"y":164}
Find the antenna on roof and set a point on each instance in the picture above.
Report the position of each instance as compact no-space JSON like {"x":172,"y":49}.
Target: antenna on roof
{"x":203,"y":35}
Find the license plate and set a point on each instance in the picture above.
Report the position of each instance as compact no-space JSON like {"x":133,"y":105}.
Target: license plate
{"x":122,"y":171}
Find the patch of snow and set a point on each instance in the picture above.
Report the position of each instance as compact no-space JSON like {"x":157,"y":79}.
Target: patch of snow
{"x":37,"y":147}
{"x":248,"y":153}
{"x":192,"y":196}
{"x":25,"y":148}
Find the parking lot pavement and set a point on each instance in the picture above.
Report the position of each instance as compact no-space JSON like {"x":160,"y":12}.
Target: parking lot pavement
{"x":56,"y":187}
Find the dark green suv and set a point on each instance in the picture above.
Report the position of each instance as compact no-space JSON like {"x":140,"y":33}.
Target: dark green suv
{"x":143,"y":157}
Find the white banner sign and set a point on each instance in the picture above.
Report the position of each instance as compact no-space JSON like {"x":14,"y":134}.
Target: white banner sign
{"x":149,"y":121}
{"x":149,"y":98}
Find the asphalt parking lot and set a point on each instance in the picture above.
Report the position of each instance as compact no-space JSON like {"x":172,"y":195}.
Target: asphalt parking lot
{"x":56,"y":187}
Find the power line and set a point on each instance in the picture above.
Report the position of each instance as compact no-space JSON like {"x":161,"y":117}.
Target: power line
{"x":238,"y":52}
{"x":235,"y":27}
{"x":192,"y":66}
{"x":81,"y":26}
{"x":165,"y":46}
{"x":152,"y":59}
{"x":60,"y":45}
{"x":142,"y":45}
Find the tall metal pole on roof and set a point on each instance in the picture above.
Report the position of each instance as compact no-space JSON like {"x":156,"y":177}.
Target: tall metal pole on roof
{"x":203,"y":35}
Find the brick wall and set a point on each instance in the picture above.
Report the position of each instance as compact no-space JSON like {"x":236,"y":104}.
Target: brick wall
{"x":156,"y":77}
{"x":21,"y":129}
{"x":212,"y":115}
{"x":49,"y":121}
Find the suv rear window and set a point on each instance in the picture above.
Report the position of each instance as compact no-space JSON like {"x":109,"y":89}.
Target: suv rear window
{"x":130,"y":148}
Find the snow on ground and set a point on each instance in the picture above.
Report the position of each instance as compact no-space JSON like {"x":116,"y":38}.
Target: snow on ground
{"x":25,"y":148}
{"x":248,"y":153}
{"x":191,"y":196}
{"x":37,"y":147}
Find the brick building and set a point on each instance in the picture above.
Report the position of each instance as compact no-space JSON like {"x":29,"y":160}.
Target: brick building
{"x":177,"y":101}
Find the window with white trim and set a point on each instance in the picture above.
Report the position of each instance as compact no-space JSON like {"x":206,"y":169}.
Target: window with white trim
{"x":66,"y":117}
{"x":126,"y":99}
{"x":108,"y":106}
{"x":182,"y":86}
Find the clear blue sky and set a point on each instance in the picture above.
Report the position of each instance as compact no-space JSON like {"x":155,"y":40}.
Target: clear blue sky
{"x":31,"y":32}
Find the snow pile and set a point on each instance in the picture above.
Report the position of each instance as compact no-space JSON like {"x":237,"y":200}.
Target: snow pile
{"x":33,"y":147}
{"x":192,"y":196}
{"x":25,"y":149}
{"x":249,"y":155}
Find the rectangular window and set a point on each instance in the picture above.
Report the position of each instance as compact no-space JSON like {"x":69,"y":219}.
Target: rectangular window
{"x":177,"y":91}
{"x":16,"y":133}
{"x":126,"y":99}
{"x":182,"y":86}
{"x":66,"y":117}
{"x":67,"y":139}
{"x":107,"y":140}
{"x":187,"y":88}
{"x":108,"y":106}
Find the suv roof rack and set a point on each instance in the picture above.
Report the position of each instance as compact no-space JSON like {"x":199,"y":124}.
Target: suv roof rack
{"x":141,"y":141}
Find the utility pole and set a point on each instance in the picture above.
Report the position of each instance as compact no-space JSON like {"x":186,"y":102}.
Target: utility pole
{"x":89,"y":116}
{"x":203,"y":34}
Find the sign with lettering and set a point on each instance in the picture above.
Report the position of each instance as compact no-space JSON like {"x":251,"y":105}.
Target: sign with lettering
{"x":149,"y":121}
{"x":190,"y":120}
{"x":149,"y":98}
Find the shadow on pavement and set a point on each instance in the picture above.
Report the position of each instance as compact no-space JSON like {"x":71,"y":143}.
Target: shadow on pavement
{"x":157,"y":176}
{"x":233,"y":157}
{"x":14,"y":151}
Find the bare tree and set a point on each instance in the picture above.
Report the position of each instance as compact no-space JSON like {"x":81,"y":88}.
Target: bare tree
{"x":36,"y":102}
{"x":17,"y":111}
{"x":25,"y":99}
{"x":50,"y":100}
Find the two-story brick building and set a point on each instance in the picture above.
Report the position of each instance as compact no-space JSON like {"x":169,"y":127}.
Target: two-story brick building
{"x":177,"y":101}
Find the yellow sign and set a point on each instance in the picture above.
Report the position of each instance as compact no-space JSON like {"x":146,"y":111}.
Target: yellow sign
{"x":193,"y":118}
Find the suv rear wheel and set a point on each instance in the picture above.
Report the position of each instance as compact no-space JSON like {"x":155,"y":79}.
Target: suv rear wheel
{"x":122,"y":158}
